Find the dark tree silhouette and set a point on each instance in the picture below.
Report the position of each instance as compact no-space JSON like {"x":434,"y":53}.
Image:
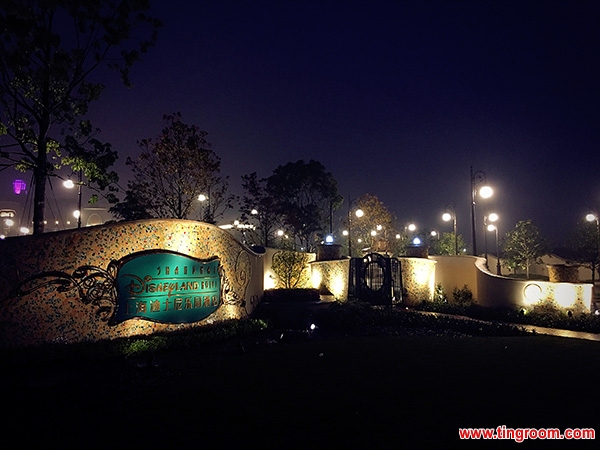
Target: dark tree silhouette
{"x":49,"y":50}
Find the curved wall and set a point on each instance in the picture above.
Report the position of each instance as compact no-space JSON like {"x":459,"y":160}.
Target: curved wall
{"x":55,"y":312}
{"x":456,"y":272}
{"x":497,"y":291}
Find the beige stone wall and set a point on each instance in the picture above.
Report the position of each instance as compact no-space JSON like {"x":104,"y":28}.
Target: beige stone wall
{"x":418,"y":276}
{"x":492,"y":290}
{"x":56,"y":312}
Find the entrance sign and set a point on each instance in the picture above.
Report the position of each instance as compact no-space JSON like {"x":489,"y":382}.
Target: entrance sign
{"x":167,"y":287}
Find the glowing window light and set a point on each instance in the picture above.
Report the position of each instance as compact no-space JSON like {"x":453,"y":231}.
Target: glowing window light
{"x":19,"y":186}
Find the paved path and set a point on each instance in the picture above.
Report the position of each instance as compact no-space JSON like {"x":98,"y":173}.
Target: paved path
{"x":538,"y":330}
{"x":564,"y":333}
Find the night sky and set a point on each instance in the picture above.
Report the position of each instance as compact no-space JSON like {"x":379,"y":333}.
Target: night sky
{"x":396,"y":99}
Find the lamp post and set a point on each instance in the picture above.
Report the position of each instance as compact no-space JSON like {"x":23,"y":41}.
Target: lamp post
{"x":492,"y":217}
{"x":69,"y":185}
{"x":594,"y":218}
{"x":450,"y":215}
{"x":202,"y":198}
{"x":483,"y":192}
{"x":358,"y":213}
{"x":492,"y":227}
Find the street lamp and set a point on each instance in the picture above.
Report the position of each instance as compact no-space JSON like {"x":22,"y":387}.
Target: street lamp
{"x":69,"y":184}
{"x":483,"y":192}
{"x":202,"y":198}
{"x":594,"y":218}
{"x":492,"y":217}
{"x":492,"y":227}
{"x":358,"y":213}
{"x":450,"y":215}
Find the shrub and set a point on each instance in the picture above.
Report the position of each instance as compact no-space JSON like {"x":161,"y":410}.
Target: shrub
{"x":291,"y":295}
{"x":439,"y":295}
{"x":462,"y":296}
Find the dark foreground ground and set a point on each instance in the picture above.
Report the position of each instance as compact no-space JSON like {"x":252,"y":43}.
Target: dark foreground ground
{"x":334,"y":391}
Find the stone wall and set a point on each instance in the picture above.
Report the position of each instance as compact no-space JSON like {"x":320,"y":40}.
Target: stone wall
{"x":418,"y":276}
{"x":56,"y":306}
{"x":492,"y":290}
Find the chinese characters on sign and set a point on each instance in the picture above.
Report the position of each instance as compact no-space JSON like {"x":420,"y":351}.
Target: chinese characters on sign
{"x":167,"y":287}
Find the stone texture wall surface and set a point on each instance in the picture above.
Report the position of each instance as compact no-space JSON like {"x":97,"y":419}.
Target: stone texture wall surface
{"x":44,"y":298}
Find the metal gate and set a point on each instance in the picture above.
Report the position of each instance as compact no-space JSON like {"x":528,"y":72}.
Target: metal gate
{"x":376,"y":279}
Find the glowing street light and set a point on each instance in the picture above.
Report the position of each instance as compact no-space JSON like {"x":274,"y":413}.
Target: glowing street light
{"x":358,"y":213}
{"x":202,"y":198}
{"x":492,"y":227}
{"x":492,"y":217}
{"x":483,"y":192}
{"x":69,"y":184}
{"x":448,"y":216}
{"x":594,"y":218}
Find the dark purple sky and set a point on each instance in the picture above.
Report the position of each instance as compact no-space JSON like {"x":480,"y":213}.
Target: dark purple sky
{"x":396,"y":99}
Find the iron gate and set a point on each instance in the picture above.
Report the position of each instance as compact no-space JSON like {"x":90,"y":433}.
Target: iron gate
{"x":376,"y":279}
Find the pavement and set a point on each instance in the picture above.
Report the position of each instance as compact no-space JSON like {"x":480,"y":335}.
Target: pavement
{"x":564,"y":333}
{"x":538,"y":330}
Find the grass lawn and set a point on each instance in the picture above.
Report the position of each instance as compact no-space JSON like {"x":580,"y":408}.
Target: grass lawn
{"x":346,"y":392}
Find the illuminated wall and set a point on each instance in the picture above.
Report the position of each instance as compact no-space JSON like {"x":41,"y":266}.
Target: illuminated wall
{"x":418,"y":276}
{"x":271,"y":279}
{"x":332,"y":275}
{"x":418,"y":279}
{"x":56,"y":313}
{"x":492,"y":290}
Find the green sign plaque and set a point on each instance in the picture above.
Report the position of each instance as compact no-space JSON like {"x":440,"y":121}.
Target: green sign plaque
{"x":167,"y":287}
